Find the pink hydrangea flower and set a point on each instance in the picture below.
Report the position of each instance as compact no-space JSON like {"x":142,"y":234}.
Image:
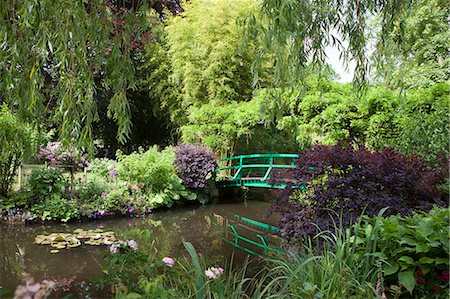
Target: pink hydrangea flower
{"x":168,"y":261}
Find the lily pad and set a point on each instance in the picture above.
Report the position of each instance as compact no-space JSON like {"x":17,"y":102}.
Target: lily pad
{"x":59,"y":245}
{"x":73,"y":245}
{"x":54,"y":251}
{"x":66,"y":240}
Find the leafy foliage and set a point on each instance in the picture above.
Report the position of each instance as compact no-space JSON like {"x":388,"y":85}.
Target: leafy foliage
{"x":356,"y":181}
{"x":297,"y":32}
{"x":414,"y":251}
{"x":45,"y":182}
{"x":422,"y":121}
{"x":415,"y":122}
{"x":421,"y":58}
{"x":195,"y":165}
{"x":55,"y":207}
{"x":220,"y":128}
{"x":156,"y":172}
{"x":212,"y":69}
{"x":17,"y":140}
{"x":57,"y":55}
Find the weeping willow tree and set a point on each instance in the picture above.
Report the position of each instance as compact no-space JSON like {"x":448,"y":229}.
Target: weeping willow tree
{"x":297,"y":32}
{"x":56,"y":55}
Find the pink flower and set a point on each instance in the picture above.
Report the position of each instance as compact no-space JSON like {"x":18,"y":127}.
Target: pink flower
{"x":103,"y":194}
{"x":443,"y":277}
{"x":114,"y":248}
{"x":168,"y":261}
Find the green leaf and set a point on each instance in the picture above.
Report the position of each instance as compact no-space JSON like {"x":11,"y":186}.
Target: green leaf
{"x":391,"y":269}
{"x":200,"y":282}
{"x":407,"y":279}
{"x":426,"y":260}
{"x":441,"y":260}
{"x":133,"y":296}
{"x":422,"y":248}
{"x":408,"y":260}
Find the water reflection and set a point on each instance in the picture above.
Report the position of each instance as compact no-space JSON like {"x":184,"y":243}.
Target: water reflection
{"x":73,"y":269}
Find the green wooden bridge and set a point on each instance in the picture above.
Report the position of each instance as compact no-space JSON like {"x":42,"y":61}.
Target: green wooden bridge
{"x":254,"y":170}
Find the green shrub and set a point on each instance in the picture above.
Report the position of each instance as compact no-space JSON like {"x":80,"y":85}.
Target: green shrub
{"x":44,"y":182}
{"x":156,"y":173}
{"x":55,"y":207}
{"x":423,"y":125}
{"x":414,"y":251}
{"x":17,"y":140}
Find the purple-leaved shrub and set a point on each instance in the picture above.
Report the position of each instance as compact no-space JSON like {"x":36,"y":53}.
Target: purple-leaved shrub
{"x":194,"y":163}
{"x":351,"y":181}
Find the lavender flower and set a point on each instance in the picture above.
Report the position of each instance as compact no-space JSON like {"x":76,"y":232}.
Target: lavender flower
{"x":114,"y":248}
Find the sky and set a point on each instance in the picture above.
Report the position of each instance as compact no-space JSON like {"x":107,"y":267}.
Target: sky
{"x":337,"y":64}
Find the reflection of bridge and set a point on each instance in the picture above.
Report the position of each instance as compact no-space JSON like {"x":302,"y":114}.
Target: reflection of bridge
{"x":254,"y":170}
{"x":247,"y":234}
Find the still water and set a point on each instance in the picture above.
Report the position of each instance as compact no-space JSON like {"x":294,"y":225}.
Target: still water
{"x":74,"y":269}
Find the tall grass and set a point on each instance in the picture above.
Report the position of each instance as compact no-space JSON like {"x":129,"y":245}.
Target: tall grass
{"x":333,"y":264}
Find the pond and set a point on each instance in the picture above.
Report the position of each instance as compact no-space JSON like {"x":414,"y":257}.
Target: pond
{"x":74,"y":269}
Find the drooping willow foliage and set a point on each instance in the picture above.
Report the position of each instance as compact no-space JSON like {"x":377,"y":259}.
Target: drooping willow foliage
{"x":296,"y":32}
{"x":60,"y":58}
{"x":56,"y":55}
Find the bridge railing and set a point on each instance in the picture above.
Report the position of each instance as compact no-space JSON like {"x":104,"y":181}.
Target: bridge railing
{"x":236,"y":166}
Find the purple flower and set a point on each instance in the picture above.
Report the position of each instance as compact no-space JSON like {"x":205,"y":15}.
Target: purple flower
{"x":168,"y":261}
{"x":103,"y":194}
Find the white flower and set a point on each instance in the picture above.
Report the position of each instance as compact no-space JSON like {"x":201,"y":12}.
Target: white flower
{"x":213,"y":272}
{"x":133,"y":245}
{"x":210,"y":274}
